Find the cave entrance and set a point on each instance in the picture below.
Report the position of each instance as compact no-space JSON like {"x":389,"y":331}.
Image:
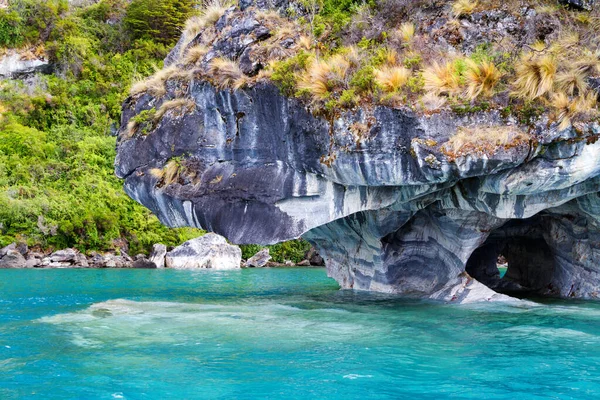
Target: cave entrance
{"x":518,"y":265}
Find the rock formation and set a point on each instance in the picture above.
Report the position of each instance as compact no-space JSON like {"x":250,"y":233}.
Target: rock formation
{"x":210,"y":251}
{"x":259,"y":260}
{"x":390,"y":197}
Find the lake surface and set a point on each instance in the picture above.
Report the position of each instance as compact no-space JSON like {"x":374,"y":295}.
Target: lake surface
{"x":279,"y":334}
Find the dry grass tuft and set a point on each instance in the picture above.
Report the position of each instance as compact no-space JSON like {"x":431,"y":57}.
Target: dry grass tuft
{"x":480,"y":140}
{"x":571,"y":82}
{"x":589,"y":62}
{"x":464,"y":7}
{"x":481,"y":78}
{"x":208,"y":15}
{"x":568,"y":109}
{"x":155,"y":85}
{"x":442,"y":79}
{"x":535,"y":76}
{"x":169,"y":174}
{"x":406,"y":32}
{"x":185,"y":105}
{"x":305,"y":42}
{"x":391,"y":79}
{"x":432,"y":102}
{"x":323,"y":76}
{"x":195,"y":54}
{"x":227,"y":73}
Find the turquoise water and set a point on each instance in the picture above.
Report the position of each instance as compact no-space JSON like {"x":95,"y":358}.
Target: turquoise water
{"x":279,"y":334}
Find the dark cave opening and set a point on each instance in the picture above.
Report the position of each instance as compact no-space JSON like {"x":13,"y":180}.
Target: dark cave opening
{"x":529,"y":261}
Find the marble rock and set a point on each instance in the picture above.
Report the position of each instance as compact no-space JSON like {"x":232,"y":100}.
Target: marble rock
{"x":381,"y":193}
{"x":259,"y":260}
{"x":210,"y":251}
{"x":159,"y":251}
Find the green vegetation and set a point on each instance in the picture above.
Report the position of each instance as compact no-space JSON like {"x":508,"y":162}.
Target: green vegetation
{"x":294,"y":251}
{"x":57,"y":185}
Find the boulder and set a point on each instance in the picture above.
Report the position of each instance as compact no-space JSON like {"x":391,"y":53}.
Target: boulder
{"x":143,"y":263}
{"x":159,"y":251}
{"x":97,"y":260}
{"x":13,"y":259}
{"x":22,"y":248}
{"x":260,"y":259}
{"x":64,"y":256}
{"x":210,"y":251}
{"x":314,"y":258}
{"x":5,"y":250}
{"x":17,"y":65}
{"x":33,"y":263}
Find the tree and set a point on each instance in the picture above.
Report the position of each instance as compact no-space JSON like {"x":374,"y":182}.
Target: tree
{"x":160,"y":20}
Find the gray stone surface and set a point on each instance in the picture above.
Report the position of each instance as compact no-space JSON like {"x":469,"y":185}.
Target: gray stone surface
{"x":14,"y":65}
{"x":376,"y":191}
{"x":260,"y":259}
{"x":159,"y":251}
{"x":210,"y":251}
{"x":143,"y":263}
{"x":13,"y":259}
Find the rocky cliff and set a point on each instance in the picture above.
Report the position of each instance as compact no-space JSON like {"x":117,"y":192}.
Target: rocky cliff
{"x":397,"y":199}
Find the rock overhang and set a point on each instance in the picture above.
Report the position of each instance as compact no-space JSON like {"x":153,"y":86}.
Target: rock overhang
{"x":379,"y":191}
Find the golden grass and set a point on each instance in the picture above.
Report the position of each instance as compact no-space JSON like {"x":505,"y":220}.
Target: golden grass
{"x":391,"y":79}
{"x":589,"y":62}
{"x":567,"y":109}
{"x":535,"y":76}
{"x":406,"y":32}
{"x":195,"y":54}
{"x":322,"y":76}
{"x":479,"y":140}
{"x":390,"y":56}
{"x":441,"y":78}
{"x":481,"y":78}
{"x":571,"y":82}
{"x":155,"y":85}
{"x":316,"y":79}
{"x":464,"y":7}
{"x":170,"y":173}
{"x":305,"y":42}
{"x":183,"y":104}
{"x":432,"y":102}
{"x":227,"y":73}
{"x":207,"y":15}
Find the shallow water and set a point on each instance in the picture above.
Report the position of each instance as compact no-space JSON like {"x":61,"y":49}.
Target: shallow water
{"x":279,"y":334}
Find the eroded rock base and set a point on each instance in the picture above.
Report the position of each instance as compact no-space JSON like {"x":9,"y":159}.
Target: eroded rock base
{"x":451,"y":255}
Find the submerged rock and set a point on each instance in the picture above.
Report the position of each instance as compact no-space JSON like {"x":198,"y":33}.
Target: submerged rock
{"x":260,"y":259}
{"x":210,"y":251}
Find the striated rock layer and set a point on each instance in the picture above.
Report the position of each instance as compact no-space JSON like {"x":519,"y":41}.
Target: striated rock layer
{"x":394,"y":200}
{"x":392,"y":212}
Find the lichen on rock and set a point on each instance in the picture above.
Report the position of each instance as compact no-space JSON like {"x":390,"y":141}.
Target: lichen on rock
{"x":397,"y":196}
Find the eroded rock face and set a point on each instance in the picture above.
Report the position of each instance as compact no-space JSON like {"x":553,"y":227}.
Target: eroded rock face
{"x":393,"y":212}
{"x":391,"y":198}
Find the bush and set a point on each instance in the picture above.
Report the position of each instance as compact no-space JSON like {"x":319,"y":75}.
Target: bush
{"x":10,"y":29}
{"x":160,"y":20}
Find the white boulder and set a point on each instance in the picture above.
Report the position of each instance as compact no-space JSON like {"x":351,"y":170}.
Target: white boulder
{"x":210,"y":251}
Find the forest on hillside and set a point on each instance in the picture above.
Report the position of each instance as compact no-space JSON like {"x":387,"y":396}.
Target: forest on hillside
{"x":57,"y":131}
